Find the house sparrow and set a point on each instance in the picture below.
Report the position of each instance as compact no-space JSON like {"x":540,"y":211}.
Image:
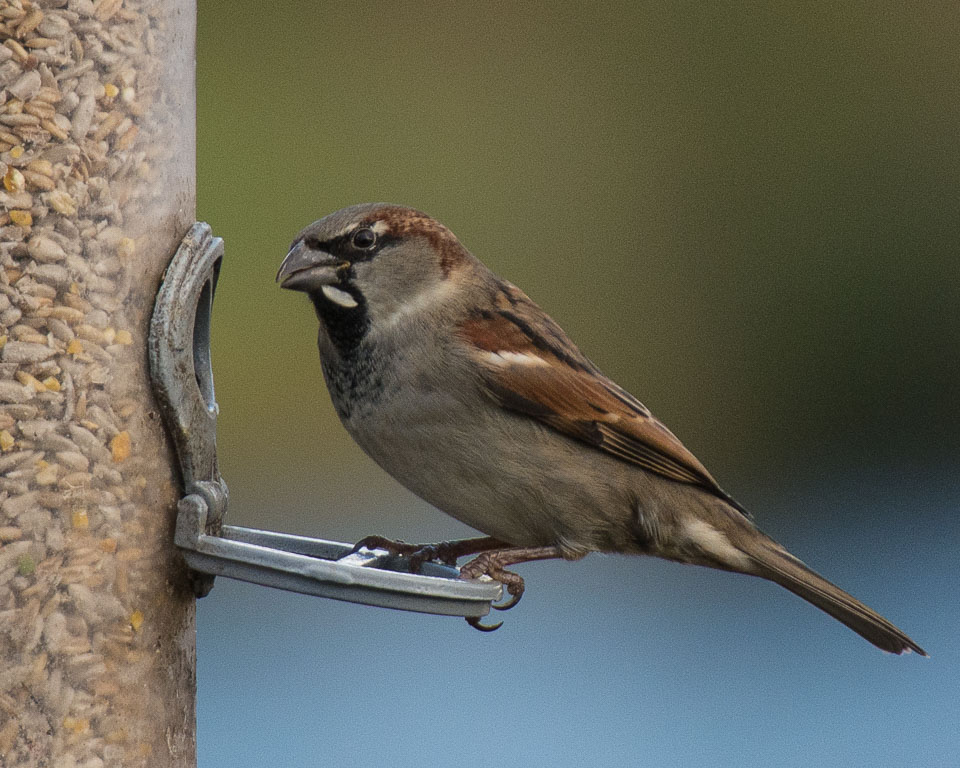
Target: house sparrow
{"x":465,"y":391}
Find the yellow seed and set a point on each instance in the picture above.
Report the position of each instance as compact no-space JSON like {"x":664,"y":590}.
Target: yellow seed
{"x":109,"y":335}
{"x":123,"y":337}
{"x":16,"y":152}
{"x":52,"y":383}
{"x":74,"y":347}
{"x":120,"y":446}
{"x":22,"y":218}
{"x":136,"y":620}
{"x":76,"y":724}
{"x":126,"y":248}
{"x":13,"y":180}
{"x":3,"y":341}
{"x":79,"y":519}
{"x":30,"y":381}
{"x":6,"y":440}
{"x":108,"y":545}
{"x":111,"y":91}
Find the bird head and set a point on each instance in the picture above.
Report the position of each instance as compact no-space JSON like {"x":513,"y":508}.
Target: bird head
{"x":371,"y":265}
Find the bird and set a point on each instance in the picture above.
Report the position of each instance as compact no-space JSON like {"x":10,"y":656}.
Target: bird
{"x":466,"y":392}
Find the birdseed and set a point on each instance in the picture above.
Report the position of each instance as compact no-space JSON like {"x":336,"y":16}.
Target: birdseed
{"x":96,"y":163}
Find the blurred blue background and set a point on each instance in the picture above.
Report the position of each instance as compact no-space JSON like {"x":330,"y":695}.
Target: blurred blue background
{"x":746,"y":214}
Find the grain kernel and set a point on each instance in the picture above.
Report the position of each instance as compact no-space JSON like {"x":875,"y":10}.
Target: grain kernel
{"x":61,"y":202}
{"x":30,"y":381}
{"x":22,"y":218}
{"x":120,"y":446}
{"x":136,"y":620}
{"x":10,"y":533}
{"x":76,"y":724}
{"x":38,"y":181}
{"x":13,"y":180}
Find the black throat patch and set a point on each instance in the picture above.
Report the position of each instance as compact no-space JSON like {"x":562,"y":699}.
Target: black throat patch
{"x":346,"y":326}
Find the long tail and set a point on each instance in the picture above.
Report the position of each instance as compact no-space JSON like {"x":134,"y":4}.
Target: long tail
{"x":773,"y":562}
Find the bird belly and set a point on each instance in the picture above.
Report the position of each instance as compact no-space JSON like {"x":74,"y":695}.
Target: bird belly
{"x":505,"y":475}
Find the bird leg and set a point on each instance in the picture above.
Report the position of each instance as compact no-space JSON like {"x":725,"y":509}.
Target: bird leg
{"x":493,"y":564}
{"x":446,"y":552}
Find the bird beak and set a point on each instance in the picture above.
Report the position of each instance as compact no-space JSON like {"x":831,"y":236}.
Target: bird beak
{"x":307,"y":269}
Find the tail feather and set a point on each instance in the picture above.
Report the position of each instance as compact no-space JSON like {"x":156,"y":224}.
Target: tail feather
{"x":773,"y":562}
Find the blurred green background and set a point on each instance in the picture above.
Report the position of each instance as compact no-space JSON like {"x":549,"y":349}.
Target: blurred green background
{"x":748,"y":214}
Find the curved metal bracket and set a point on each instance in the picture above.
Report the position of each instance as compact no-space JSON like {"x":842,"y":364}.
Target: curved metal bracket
{"x":182,"y":377}
{"x":180,"y":366}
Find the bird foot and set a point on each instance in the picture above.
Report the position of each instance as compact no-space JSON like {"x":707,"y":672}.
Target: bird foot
{"x":446,"y":552}
{"x":493,"y":564}
{"x":488,"y":565}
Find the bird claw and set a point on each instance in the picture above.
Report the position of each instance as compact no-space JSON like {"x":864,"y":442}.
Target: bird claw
{"x":514,"y":599}
{"x":474,"y":621}
{"x":488,"y":564}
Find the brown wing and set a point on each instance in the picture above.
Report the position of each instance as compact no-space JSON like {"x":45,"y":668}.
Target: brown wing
{"x":531,"y":367}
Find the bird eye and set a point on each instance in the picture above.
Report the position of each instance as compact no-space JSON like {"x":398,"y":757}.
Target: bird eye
{"x":364,"y":238}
